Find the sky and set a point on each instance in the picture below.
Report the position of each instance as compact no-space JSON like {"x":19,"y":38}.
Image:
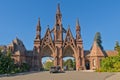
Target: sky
{"x":18,"y":18}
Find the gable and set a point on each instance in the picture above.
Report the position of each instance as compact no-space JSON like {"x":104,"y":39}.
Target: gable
{"x":69,"y":40}
{"x":96,"y":50}
{"x":47,"y":40}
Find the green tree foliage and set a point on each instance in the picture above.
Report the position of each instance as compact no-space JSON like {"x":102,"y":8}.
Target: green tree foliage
{"x":111,"y":64}
{"x":69,"y":64}
{"x":47,"y":65}
{"x":74,"y":64}
{"x":117,"y":47}
{"x":6,"y":63}
{"x":24,"y":67}
{"x":98,"y":39}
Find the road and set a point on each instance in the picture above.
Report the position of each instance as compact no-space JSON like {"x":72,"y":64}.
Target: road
{"x":68,"y":75}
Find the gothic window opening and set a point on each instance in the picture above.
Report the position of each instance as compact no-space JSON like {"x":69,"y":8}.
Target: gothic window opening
{"x":48,"y":38}
{"x":94,"y":63}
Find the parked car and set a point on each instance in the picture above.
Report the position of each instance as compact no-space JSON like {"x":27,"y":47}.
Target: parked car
{"x":55,"y":69}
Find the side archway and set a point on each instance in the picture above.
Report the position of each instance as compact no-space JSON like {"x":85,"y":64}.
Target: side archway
{"x":45,"y":56}
{"x":69,"y":55}
{"x":47,"y":51}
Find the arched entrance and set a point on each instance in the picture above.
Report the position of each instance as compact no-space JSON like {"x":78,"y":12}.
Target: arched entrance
{"x":47,"y":57}
{"x":69,"y":63}
{"x":69,"y":58}
{"x":47,"y":62}
{"x":87,"y":64}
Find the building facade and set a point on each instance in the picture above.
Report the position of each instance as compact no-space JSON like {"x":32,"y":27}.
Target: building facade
{"x":58,"y":47}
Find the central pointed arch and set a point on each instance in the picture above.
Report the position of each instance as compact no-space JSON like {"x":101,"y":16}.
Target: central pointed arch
{"x":69,"y":51}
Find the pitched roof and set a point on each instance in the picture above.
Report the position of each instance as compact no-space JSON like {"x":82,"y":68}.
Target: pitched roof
{"x":96,"y":50}
{"x":29,"y":53}
{"x":111,"y":53}
{"x":18,"y":46}
{"x":87,"y":53}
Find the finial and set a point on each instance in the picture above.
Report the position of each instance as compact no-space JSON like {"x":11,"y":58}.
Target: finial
{"x":48,"y":27}
{"x":38,"y":21}
{"x":77,"y":22}
{"x":68,"y":26}
{"x":16,"y":36}
{"x":77,"y":25}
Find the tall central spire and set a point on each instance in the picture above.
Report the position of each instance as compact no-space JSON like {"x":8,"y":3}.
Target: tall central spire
{"x":58,"y":9}
{"x":58,"y":34}
{"x":58,"y":16}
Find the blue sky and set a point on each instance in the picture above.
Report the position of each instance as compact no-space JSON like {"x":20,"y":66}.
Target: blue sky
{"x":19,"y":18}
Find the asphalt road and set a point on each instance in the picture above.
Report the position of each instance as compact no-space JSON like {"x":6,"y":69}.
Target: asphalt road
{"x":68,"y":75}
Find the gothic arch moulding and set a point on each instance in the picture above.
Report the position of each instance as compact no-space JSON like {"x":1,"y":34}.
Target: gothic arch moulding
{"x":47,"y":51}
{"x":69,"y":51}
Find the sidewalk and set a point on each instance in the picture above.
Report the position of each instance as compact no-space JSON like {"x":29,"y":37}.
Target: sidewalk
{"x":114,"y":77}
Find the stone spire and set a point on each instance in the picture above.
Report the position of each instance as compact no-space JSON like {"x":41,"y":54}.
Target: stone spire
{"x":58,"y":9}
{"x":78,"y":35}
{"x":77,"y":25}
{"x":58,"y":29}
{"x":38,"y":29}
{"x":38,"y":25}
{"x":58,"y":16}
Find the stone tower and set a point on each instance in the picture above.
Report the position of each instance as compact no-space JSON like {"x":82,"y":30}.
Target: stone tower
{"x":58,"y":37}
{"x":37,"y":47}
{"x":79,"y":44}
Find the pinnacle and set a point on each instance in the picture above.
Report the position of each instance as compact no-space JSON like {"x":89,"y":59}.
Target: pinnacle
{"x":77,"y":22}
{"x":48,"y":27}
{"x":38,"y":22}
{"x":38,"y":25}
{"x":68,"y":26}
{"x":58,"y":9}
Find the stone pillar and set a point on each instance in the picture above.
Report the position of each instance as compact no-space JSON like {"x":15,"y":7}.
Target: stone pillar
{"x":40,"y":62}
{"x":55,"y":61}
{"x":78,"y":65}
{"x":83,"y":63}
{"x":61,"y":62}
{"x":83,"y":59}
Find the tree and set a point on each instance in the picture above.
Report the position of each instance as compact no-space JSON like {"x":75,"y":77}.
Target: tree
{"x":112,"y":64}
{"x":6,"y":63}
{"x":69,"y":64}
{"x":117,"y":47}
{"x":74,"y":64}
{"x":47,"y":65}
{"x":98,"y":39}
